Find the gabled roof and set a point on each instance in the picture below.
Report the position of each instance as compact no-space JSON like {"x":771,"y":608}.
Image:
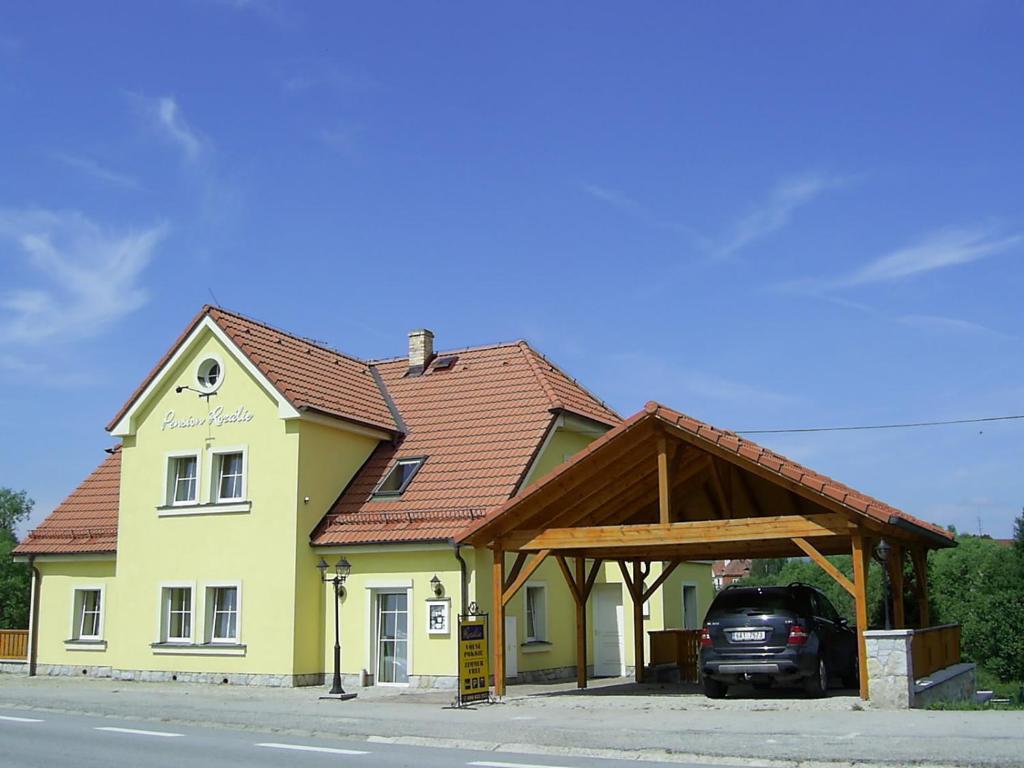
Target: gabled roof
{"x":480,"y":424}
{"x":814,"y":486}
{"x":308,"y":375}
{"x":86,"y":521}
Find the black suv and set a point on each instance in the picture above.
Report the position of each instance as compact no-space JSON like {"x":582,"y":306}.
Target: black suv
{"x":763,"y":635}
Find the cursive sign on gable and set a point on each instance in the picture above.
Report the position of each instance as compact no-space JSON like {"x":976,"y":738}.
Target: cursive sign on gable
{"x":217,"y":417}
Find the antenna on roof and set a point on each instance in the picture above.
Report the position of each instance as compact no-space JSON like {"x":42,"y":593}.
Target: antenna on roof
{"x":213,"y":296}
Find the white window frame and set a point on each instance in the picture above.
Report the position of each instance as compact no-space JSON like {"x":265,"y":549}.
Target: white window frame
{"x":696,"y":603}
{"x":373,"y":588}
{"x":209,"y":601}
{"x":215,"y":473}
{"x":164,"y":614}
{"x":170,"y":462}
{"x":78,"y":607}
{"x":543,"y":586}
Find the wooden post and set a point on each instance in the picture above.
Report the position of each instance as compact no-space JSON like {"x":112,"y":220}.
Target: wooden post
{"x":498,"y":620}
{"x":899,"y":619}
{"x":664,"y":498}
{"x":638,"y":621}
{"x":581,"y":622}
{"x":861,"y":558}
{"x":920,"y":558}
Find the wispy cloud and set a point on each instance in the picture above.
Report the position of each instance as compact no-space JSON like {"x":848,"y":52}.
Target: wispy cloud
{"x":43,"y":375}
{"x":950,"y":324}
{"x":937,"y":250}
{"x":167,"y":119}
{"x":88,"y":276}
{"x":92,"y":168}
{"x":776,"y":211}
{"x":636,"y":210}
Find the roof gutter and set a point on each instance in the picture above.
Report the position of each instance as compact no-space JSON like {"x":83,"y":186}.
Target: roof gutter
{"x":937,"y":539}
{"x":463,"y":581}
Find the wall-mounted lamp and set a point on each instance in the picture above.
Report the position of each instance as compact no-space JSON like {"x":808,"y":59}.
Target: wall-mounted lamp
{"x":437,"y":586}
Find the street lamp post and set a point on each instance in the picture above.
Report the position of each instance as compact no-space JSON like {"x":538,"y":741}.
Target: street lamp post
{"x":341,"y":571}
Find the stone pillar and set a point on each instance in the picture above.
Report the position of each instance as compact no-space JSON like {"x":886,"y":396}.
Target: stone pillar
{"x":890,"y":668}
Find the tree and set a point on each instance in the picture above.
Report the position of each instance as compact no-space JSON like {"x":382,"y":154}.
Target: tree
{"x":15,"y":507}
{"x":1018,"y":534}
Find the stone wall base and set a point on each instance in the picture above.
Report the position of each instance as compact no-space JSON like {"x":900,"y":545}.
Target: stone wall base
{"x":160,"y":676}
{"x":8,"y":666}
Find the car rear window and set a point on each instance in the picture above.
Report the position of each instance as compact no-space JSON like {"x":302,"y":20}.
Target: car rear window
{"x":740,"y":601}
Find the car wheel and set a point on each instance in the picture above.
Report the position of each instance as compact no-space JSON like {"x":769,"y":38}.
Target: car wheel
{"x":816,"y":685}
{"x":713,"y":689}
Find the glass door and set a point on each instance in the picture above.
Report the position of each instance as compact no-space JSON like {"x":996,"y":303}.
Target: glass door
{"x":392,"y":638}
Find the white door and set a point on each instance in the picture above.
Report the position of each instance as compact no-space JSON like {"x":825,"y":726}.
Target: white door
{"x":608,"y":634}
{"x":392,"y":638}
{"x":511,"y":648}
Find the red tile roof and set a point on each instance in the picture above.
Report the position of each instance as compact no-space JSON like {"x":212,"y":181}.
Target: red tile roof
{"x":822,"y":485}
{"x":308,"y":375}
{"x":479,"y":423}
{"x":86,"y":521}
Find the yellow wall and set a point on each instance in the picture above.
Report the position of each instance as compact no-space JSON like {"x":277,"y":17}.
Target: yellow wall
{"x":60,"y":577}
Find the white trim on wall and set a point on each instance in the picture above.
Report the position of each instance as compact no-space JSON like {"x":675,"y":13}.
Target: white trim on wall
{"x":76,"y":612}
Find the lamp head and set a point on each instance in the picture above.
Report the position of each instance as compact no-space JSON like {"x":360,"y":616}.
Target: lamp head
{"x":343,"y":568}
{"x":884,"y":549}
{"x":437,"y":586}
{"x":322,"y":566}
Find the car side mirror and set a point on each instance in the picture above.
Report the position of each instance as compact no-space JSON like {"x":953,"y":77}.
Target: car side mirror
{"x":843,"y":622}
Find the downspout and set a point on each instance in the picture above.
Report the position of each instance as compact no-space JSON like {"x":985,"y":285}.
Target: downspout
{"x":33,"y":615}
{"x":464,"y":581}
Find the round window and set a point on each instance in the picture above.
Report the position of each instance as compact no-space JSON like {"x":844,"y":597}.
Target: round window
{"x":210,"y":374}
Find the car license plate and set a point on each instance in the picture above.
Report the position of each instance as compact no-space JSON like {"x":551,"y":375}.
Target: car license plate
{"x":749,"y":634}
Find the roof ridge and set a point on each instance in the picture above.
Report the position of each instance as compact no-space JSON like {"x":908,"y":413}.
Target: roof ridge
{"x":304,"y":339}
{"x":526,"y":351}
{"x":572,"y":379}
{"x":443,"y":352}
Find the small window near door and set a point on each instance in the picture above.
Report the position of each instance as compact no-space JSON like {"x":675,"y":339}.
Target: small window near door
{"x":691,"y":618}
{"x":88,"y":615}
{"x":536,"y":613}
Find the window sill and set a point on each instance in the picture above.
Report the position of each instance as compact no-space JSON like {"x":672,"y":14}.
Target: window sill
{"x":85,"y":645}
{"x":536,"y":646}
{"x":202,"y":649}
{"x":218,"y":508}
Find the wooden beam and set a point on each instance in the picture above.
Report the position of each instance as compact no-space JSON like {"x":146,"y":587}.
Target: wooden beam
{"x":638,"y":621}
{"x":524,"y":575}
{"x":919,"y":555}
{"x":617,"y":481}
{"x":665,"y":573}
{"x":826,"y":566}
{"x":498,"y":629}
{"x":573,"y":589}
{"x":517,"y":566}
{"x":664,"y":493}
{"x":748,"y":491}
{"x":895,"y":567}
{"x":861,"y":558}
{"x":581,"y":623}
{"x":627,"y":578}
{"x":595,"y":569}
{"x":697,"y":532}
{"x":719,"y":488}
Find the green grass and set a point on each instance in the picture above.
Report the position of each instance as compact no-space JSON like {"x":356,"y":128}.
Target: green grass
{"x":1003,"y":689}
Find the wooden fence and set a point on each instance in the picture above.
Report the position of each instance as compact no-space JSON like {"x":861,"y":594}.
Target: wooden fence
{"x":13,"y":644}
{"x":935,"y":648}
{"x":678,"y":646}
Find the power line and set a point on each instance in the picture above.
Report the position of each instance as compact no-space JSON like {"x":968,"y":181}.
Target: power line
{"x":908,"y":425}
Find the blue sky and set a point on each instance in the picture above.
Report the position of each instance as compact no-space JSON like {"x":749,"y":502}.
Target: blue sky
{"x":765,"y":215}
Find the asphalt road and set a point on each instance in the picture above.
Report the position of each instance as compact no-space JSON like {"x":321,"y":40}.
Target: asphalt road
{"x":33,"y":739}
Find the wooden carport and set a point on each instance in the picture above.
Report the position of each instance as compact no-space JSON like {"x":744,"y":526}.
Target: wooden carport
{"x":665,"y":487}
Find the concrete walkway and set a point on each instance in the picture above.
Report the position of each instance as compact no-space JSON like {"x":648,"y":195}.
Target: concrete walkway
{"x":612,"y":719}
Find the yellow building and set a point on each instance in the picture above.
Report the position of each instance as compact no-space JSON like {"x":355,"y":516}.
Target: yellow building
{"x":248,"y":454}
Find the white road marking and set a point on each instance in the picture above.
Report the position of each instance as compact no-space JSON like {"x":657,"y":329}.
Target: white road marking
{"x":137,"y":732}
{"x":303,"y":748}
{"x":21,"y":719}
{"x":488,"y":764}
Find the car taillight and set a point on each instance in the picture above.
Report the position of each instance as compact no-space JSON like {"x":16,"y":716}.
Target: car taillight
{"x":797,"y":635}
{"x":705,"y":638}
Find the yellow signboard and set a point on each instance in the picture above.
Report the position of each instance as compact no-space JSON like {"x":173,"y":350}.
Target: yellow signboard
{"x":474,"y":664}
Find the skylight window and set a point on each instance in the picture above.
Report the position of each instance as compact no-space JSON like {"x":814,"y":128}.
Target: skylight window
{"x":398,"y":479}
{"x":444,"y":363}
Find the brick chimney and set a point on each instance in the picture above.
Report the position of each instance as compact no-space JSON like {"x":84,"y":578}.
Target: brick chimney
{"x":421,"y":351}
